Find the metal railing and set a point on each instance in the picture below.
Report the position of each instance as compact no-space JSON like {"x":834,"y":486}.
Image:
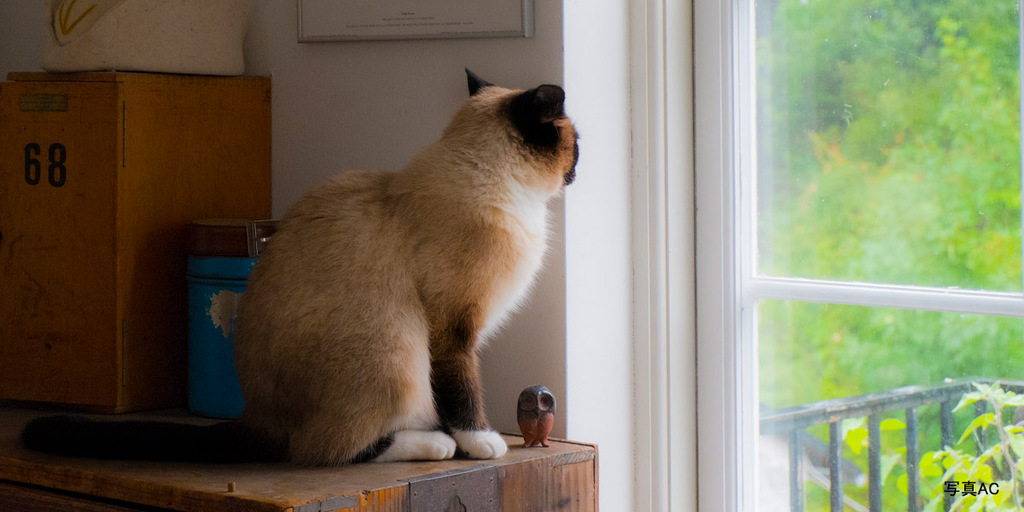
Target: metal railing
{"x":791,"y":422}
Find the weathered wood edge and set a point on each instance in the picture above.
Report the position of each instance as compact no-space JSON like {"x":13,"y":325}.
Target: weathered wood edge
{"x":164,"y":495}
{"x":150,"y":486}
{"x":128,"y":490}
{"x":119,"y":76}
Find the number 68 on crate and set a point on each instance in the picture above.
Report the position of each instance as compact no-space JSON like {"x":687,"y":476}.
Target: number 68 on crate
{"x":99,"y":175}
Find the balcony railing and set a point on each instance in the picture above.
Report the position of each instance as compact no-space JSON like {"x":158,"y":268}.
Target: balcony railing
{"x":792,"y":423}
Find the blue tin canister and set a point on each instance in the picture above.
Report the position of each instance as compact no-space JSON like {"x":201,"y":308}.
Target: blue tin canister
{"x":222,"y":253}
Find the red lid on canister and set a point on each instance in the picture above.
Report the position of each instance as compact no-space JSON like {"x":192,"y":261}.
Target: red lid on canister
{"x":228,"y":237}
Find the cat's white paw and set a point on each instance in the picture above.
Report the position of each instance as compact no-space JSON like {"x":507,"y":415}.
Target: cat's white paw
{"x":481,"y":444}
{"x":418,"y":445}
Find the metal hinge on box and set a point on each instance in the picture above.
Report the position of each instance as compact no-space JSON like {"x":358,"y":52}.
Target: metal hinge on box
{"x":258,"y":234}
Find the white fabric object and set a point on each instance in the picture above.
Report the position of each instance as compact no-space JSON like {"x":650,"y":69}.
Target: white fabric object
{"x":167,"y":36}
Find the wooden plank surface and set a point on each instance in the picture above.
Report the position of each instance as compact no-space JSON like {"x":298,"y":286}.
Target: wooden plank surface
{"x":16,"y":497}
{"x":117,"y":76}
{"x":269,"y":487}
{"x":563,"y":482}
{"x":41,"y":76}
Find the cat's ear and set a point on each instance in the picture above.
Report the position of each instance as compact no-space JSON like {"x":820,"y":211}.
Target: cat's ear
{"x":475,"y":82}
{"x":545,"y":104}
{"x":534,"y":111}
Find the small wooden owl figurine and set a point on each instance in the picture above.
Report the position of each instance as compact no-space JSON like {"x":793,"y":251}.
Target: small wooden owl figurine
{"x":536,"y":414}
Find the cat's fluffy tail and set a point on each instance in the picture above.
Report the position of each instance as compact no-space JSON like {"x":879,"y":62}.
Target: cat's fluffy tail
{"x":76,"y":436}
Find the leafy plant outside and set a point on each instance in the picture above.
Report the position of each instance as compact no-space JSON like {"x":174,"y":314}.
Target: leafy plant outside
{"x":1000,"y":462}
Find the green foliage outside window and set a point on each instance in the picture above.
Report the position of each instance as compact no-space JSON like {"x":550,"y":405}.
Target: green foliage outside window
{"x":888,"y":152}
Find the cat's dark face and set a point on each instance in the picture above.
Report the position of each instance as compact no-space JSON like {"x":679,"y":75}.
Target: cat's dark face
{"x":540,"y":124}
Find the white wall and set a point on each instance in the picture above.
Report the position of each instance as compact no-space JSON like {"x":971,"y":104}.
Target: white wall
{"x":21,"y":35}
{"x":599,"y":268}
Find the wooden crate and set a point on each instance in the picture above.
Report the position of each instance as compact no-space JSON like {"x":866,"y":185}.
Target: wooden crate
{"x":560,"y":478}
{"x":99,"y":173}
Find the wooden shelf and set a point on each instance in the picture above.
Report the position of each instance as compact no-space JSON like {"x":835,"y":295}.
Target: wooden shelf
{"x":562,"y":477}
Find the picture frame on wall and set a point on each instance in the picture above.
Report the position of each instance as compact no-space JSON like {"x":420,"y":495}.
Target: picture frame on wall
{"x":368,"y":20}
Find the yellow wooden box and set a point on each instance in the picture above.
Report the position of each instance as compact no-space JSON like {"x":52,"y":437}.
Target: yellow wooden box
{"x":99,"y":174}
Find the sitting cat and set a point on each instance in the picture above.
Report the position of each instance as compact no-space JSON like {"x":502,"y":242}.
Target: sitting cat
{"x":358,"y":335}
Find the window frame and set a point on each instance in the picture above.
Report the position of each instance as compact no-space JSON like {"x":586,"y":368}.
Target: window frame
{"x":728,"y":283}
{"x":629,"y":67}
{"x":663,"y":254}
{"x":629,"y":249}
{"x":721,"y":452}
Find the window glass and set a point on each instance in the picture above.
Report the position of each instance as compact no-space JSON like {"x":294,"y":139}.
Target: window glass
{"x":886,"y":149}
{"x":889,"y":141}
{"x":810,"y":351}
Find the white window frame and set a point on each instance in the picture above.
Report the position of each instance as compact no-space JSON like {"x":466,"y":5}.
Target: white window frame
{"x":629,"y":249}
{"x":728,"y":286}
{"x":663,"y":254}
{"x":722,"y":454}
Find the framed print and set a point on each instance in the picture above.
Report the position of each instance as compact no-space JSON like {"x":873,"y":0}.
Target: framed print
{"x":354,"y":20}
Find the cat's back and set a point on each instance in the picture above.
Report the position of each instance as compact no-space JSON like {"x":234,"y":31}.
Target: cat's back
{"x":354,"y":194}
{"x":352,"y":207}
{"x":340,"y":239}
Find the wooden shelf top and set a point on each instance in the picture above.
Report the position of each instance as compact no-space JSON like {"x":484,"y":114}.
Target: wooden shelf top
{"x":123,"y":77}
{"x":257,"y":487}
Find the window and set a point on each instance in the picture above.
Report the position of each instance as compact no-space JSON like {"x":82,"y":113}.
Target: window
{"x":887,"y":152}
{"x":859,"y":228}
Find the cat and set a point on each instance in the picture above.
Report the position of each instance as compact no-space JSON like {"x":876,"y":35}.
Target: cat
{"x":358,"y":335}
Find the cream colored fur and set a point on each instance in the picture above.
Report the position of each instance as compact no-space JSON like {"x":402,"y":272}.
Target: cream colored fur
{"x":334,"y":343}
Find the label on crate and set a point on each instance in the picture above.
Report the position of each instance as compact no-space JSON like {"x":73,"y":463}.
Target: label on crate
{"x":38,"y":102}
